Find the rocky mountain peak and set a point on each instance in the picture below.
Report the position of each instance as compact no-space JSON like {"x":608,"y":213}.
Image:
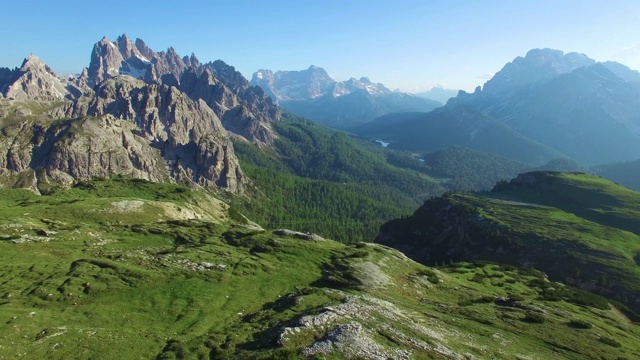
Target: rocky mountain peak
{"x":106,"y":60}
{"x":127,"y":48}
{"x":33,"y":62}
{"x":192,"y":61}
{"x":537,"y":65}
{"x":311,"y":83}
{"x":305,"y":84}
{"x":353,"y":84}
{"x":144,"y":49}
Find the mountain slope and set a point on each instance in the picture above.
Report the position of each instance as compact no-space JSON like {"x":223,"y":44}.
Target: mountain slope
{"x":438,"y":94}
{"x":570,"y":104}
{"x":456,"y":126}
{"x":471,"y":170}
{"x":577,"y":228}
{"x":160,"y":271}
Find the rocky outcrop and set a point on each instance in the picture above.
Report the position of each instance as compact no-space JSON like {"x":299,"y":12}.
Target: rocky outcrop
{"x":247,"y":112}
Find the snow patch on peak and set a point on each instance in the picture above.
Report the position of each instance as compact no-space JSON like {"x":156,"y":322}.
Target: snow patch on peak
{"x":143,"y":58}
{"x":135,"y":72}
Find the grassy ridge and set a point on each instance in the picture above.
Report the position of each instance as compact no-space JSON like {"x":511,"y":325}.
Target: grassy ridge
{"x":588,"y":196}
{"x":577,"y":228}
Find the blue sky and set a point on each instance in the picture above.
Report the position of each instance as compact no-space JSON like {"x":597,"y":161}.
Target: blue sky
{"x":407,"y":44}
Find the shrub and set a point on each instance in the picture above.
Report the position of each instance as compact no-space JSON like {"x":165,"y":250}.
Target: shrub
{"x":486,"y":299}
{"x":551,"y":295}
{"x":580,"y":324}
{"x":609,"y":341}
{"x":581,"y":297}
{"x":533,"y":317}
{"x":496,"y":275}
{"x":359,"y":254}
{"x":479,"y":278}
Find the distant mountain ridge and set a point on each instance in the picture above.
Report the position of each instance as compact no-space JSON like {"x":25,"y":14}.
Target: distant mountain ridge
{"x":439,"y":94}
{"x":311,"y":83}
{"x":313,"y":94}
{"x":566,"y":103}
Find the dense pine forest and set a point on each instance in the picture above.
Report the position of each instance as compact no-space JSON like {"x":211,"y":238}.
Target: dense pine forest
{"x":319,"y":180}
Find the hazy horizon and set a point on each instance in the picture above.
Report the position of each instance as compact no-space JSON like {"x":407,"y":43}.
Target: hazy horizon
{"x":407,"y":45}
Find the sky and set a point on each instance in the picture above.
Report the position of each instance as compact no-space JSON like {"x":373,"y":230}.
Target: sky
{"x":411,"y":45}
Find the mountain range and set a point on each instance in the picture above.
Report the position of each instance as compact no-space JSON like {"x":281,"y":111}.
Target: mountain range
{"x":544,"y":105}
{"x":315,"y":95}
{"x":134,"y":112}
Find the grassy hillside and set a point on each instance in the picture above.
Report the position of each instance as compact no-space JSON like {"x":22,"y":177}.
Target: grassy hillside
{"x":130,"y":269}
{"x":577,"y":228}
{"x":587,"y":196}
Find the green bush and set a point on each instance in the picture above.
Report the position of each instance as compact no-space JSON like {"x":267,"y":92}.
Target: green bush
{"x":609,"y":341}
{"x":580,"y":324}
{"x":359,"y":254}
{"x":479,"y":278}
{"x":533,"y":317}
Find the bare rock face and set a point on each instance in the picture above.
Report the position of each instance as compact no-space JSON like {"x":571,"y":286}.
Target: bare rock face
{"x":188,"y":133}
{"x":246,"y":112}
{"x":97,"y":147}
{"x":129,"y":128}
